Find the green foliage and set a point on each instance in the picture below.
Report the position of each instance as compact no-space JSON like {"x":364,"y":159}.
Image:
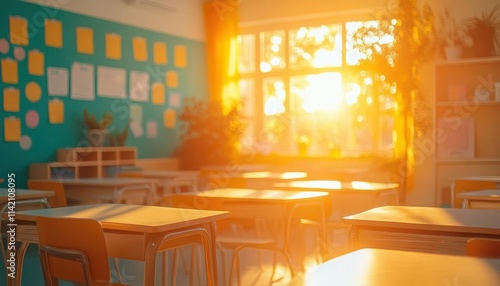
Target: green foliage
{"x":485,"y":33}
{"x":398,"y":63}
{"x":118,"y":138}
{"x":92,"y":123}
{"x":209,"y":134}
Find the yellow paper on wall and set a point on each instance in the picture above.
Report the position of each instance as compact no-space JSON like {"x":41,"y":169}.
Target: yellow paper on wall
{"x":139,"y":47}
{"x":9,"y":71}
{"x":158,"y":93}
{"x":169,"y":118}
{"x":36,"y":62}
{"x":56,"y":111}
{"x":113,"y":46}
{"x":53,"y":33}
{"x":160,"y":53}
{"x":11,"y":99}
{"x":180,"y":56}
{"x":172,"y":79}
{"x":18,"y":30}
{"x":33,"y":91}
{"x":84,"y":40}
{"x":12,"y":129}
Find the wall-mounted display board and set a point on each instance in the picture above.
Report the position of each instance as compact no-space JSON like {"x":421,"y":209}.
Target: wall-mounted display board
{"x":55,"y":64}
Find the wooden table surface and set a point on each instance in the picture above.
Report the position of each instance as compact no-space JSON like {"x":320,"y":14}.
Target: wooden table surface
{"x":490,"y":195}
{"x":23,"y":194}
{"x":132,"y":232}
{"x":333,"y":185}
{"x":380,"y":267}
{"x":244,"y":194}
{"x":430,"y":219}
{"x":480,"y":178}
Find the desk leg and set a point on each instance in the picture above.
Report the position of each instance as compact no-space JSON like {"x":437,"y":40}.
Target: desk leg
{"x":205,"y":234}
{"x":353,"y":238}
{"x":19,"y":267}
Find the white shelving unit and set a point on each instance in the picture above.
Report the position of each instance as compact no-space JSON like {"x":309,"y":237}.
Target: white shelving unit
{"x":91,"y":162}
{"x":457,"y":104}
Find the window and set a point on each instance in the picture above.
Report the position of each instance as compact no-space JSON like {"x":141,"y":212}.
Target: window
{"x":305,"y":85}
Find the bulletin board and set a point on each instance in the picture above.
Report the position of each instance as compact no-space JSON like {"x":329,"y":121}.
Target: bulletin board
{"x":55,"y":64}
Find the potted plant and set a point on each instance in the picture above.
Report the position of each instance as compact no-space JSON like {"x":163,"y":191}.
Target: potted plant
{"x":484,"y":31}
{"x":97,"y":129}
{"x":451,"y":36}
{"x":211,"y":135}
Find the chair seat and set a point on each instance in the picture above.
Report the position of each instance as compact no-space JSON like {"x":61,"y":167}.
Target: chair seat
{"x":231,"y":241}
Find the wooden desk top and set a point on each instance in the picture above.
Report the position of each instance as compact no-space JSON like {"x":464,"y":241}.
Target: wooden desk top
{"x":489,"y":195}
{"x":259,"y":195}
{"x":23,"y":194}
{"x":270,"y":175}
{"x":377,"y":267}
{"x":430,"y":219}
{"x":144,"y":219}
{"x":480,"y":178}
{"x":332,"y":185}
{"x":107,"y":182}
{"x":165,"y":174}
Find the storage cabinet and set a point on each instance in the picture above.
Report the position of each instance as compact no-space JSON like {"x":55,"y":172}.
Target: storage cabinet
{"x":91,"y":162}
{"x":467,"y":117}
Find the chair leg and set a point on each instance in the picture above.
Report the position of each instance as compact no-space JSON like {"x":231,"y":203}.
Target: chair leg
{"x":117,"y":267}
{"x":173,"y":278}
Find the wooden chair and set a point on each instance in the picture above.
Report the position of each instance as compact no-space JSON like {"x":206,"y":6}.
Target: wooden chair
{"x":483,"y":247}
{"x":59,"y":200}
{"x":466,"y":185}
{"x":73,"y":249}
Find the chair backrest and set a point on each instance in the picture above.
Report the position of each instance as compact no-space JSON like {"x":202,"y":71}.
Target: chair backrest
{"x":130,"y":174}
{"x":181,"y":184}
{"x":72,"y":234}
{"x":59,"y":200}
{"x":466,"y":185}
{"x":483,"y":247}
{"x":139,"y":195}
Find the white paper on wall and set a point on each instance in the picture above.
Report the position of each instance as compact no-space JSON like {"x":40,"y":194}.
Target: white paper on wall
{"x":110,"y":82}
{"x":82,"y":81}
{"x":152,"y":129}
{"x":136,"y":112}
{"x":139,"y":86}
{"x":136,"y":128}
{"x":57,"y":81}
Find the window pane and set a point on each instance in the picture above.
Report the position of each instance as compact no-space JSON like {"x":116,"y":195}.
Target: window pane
{"x":247,"y":93}
{"x":246,"y":62}
{"x":317,"y":103}
{"x":316,"y":47}
{"x":272,"y":50}
{"x":364,"y":39}
{"x":274,"y":96}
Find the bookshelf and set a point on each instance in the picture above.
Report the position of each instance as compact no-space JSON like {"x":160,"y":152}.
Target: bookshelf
{"x":467,"y":112}
{"x":91,"y":162}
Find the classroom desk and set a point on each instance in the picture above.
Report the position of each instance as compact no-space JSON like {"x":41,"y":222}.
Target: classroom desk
{"x":104,"y":189}
{"x":134,"y":232}
{"x":264,"y":205}
{"x":252,"y":180}
{"x":348,"y":197}
{"x":480,"y":178}
{"x":377,"y":267}
{"x":24,"y":194}
{"x":168,"y":177}
{"x":426,"y":229}
{"x":480,"y":199}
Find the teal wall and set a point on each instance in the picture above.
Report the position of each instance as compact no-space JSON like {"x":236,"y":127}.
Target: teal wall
{"x":47,"y":138}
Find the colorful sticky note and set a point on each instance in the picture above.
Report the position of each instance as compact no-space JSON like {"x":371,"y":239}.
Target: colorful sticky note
{"x":160,"y":53}
{"x":174,"y":100}
{"x":11,"y":99}
{"x":4,"y":46}
{"x":151,"y":129}
{"x":180,"y":56}
{"x":139,"y":47}
{"x":12,"y":129}
{"x":18,"y":30}
{"x":169,"y":118}
{"x":9,"y":71}
{"x":158,"y":93}
{"x":33,"y":91}
{"x":84,"y":40}
{"x":113,"y":46}
{"x":172,"y":79}
{"x":56,"y":111}
{"x":36,"y":62}
{"x":32,"y":119}
{"x":53,"y":33}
